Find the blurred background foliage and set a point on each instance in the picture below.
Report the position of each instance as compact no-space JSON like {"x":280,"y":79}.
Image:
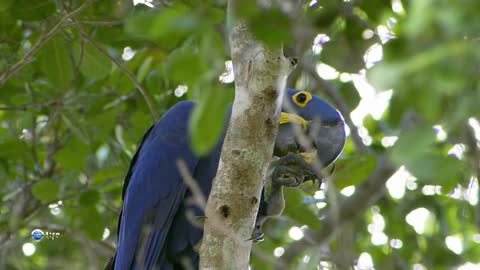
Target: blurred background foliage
{"x":81,"y":80}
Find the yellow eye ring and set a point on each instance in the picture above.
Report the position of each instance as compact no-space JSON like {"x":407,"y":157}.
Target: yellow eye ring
{"x":302,"y":98}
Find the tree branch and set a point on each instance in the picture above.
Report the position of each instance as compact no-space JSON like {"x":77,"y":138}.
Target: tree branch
{"x":260,"y":76}
{"x":366,"y":195}
{"x":96,"y":23}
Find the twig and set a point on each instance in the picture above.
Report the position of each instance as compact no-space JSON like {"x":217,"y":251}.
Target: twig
{"x":120,"y":65}
{"x":15,"y":108}
{"x":95,"y":23}
{"x":34,"y":138}
{"x":198,"y":196}
{"x":40,"y":42}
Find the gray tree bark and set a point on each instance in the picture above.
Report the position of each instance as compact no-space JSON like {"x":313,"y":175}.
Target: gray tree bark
{"x":260,"y":76}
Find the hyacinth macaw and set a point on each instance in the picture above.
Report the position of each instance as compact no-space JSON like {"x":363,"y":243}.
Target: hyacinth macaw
{"x":157,"y":228}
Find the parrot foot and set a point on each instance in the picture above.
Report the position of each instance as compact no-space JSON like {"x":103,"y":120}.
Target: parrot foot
{"x":285,"y":176}
{"x":200,"y":220}
{"x":197,"y":221}
{"x":257,"y":236}
{"x":292,"y":170}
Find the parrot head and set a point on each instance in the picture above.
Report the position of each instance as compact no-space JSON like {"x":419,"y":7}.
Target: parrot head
{"x":311,"y":136}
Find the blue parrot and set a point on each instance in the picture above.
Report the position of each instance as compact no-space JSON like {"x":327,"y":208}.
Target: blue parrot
{"x":158,"y":228}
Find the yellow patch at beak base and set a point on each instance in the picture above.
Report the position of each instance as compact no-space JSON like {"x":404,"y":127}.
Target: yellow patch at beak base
{"x":292,"y":118}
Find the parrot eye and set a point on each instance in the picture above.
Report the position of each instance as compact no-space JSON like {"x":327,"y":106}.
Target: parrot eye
{"x":302,"y":98}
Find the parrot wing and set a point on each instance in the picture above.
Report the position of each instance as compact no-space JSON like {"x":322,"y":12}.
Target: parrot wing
{"x":154,"y":189}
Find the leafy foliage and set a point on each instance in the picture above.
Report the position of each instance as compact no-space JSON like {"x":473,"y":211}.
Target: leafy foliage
{"x":80,"y":82}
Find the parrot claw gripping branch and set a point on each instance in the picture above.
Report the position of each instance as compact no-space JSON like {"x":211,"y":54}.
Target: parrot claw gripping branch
{"x":156,"y":229}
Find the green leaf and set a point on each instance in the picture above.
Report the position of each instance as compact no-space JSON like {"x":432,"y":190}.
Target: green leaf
{"x":265,"y":247}
{"x":55,"y":63}
{"x":265,"y":26}
{"x":296,"y":209}
{"x":115,"y":36}
{"x":212,"y":49}
{"x":108,"y":173}
{"x":144,"y":69}
{"x":376,"y":9}
{"x":185,"y":64}
{"x":10,"y":32}
{"x":121,"y":83}
{"x":74,"y":155}
{"x":102,"y":123}
{"x":412,"y":144}
{"x":165,"y":26}
{"x":3,"y":65}
{"x":28,"y":10}
{"x":324,"y":14}
{"x":353,"y":170}
{"x":153,"y":82}
{"x":208,"y":120}
{"x":5,"y":4}
{"x":388,"y":74}
{"x":89,"y":197}
{"x":46,"y":190}
{"x":76,"y":124}
{"x":140,"y":122}
{"x":345,"y":52}
{"x":91,"y":222}
{"x":94,"y":65}
{"x":349,"y":93}
{"x":422,"y":15}
{"x":13,"y":149}
{"x":247,"y":9}
{"x":436,"y":169}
